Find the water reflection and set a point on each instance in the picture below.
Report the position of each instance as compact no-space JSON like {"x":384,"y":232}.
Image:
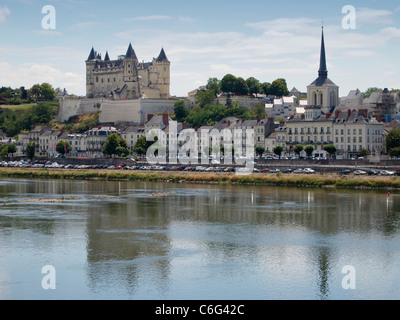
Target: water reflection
{"x":156,"y":241}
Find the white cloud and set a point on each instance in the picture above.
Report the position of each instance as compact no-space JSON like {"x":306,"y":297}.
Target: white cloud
{"x":39,"y":73}
{"x":373,"y":16}
{"x":4,"y":12}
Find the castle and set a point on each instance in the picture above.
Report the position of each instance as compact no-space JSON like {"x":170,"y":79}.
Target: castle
{"x":127,"y":78}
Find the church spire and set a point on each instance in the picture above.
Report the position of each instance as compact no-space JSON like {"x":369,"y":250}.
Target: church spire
{"x":323,"y":71}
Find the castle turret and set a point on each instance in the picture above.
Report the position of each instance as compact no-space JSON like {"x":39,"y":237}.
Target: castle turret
{"x":90,"y":65}
{"x":107,"y":57}
{"x":162,"y":65}
{"x":131,"y":75}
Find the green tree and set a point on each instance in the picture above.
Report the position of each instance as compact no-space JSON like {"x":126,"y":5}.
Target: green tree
{"x":214,"y":85}
{"x":259,"y":110}
{"x":331,"y":149}
{"x":279,"y":88}
{"x":181,"y":111}
{"x":204,"y":98}
{"x":260,"y":150}
{"x":241,"y":87}
{"x":298,"y":149}
{"x":228,"y":83}
{"x":63,"y":147}
{"x":278,"y":151}
{"x":12,"y":148}
{"x":395,"y":152}
{"x":371,"y":90}
{"x":113,"y":142}
{"x":266,"y":88}
{"x":122,"y":151}
{"x":34,"y":93}
{"x":254,"y":85}
{"x":364,"y":153}
{"x":141,"y":146}
{"x":4,"y":152}
{"x":393,"y":140}
{"x":31,"y":150}
{"x":41,"y":113}
{"x":47,"y":92}
{"x":309,"y":151}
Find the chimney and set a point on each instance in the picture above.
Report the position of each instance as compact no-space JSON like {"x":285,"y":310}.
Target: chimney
{"x":184,"y":125}
{"x":282,"y":123}
{"x":149,"y":117}
{"x":348,"y":113}
{"x":229,"y":123}
{"x":303,"y":116}
{"x":337,"y":114}
{"x":328,"y":115}
{"x":165,"y":118}
{"x":365,"y":113}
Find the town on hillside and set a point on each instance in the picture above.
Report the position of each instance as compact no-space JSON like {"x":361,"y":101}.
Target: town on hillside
{"x":130,"y":98}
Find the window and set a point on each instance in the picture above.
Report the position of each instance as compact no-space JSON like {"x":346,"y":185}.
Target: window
{"x":361,"y":131}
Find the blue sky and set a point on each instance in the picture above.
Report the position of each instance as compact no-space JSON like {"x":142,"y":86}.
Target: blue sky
{"x":203,"y":39}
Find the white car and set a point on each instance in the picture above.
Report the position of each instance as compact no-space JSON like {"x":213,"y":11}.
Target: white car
{"x":308,"y":171}
{"x":360,"y":173}
{"x":387,"y":173}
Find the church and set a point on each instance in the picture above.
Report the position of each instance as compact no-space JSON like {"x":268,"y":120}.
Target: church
{"x":323,"y":92}
{"x":126,"y":78}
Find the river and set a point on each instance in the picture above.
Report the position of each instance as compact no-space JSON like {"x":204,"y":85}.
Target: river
{"x":156,"y":241}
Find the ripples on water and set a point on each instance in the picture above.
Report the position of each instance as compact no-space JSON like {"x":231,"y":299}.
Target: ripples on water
{"x":120,"y":240}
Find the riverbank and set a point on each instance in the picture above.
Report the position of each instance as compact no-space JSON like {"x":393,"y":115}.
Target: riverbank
{"x":287,"y":180}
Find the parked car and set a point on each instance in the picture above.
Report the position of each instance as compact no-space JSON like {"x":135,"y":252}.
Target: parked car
{"x":265,"y":170}
{"x":372,"y":173}
{"x":308,"y":171}
{"x":287,"y":171}
{"x":299,"y":170}
{"x":345,"y":172}
{"x":387,"y":173}
{"x":274,"y":171}
{"x":360,"y":173}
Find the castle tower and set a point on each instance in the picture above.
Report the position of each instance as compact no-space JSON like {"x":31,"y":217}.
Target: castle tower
{"x":323,"y":92}
{"x":162,"y":64}
{"x":90,"y":79}
{"x":131,"y":75}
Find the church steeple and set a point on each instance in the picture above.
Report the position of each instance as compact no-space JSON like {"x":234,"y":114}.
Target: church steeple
{"x":323,"y":71}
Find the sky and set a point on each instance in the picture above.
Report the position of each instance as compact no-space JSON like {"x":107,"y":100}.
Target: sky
{"x":204,"y":39}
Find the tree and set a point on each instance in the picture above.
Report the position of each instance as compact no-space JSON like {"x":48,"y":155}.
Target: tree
{"x":41,"y":113}
{"x":30,"y":150}
{"x":181,"y":111}
{"x":63,"y":147}
{"x":34,"y":93}
{"x":113,"y":142}
{"x":4,"y":152}
{"x":228,"y":83}
{"x":214,"y":85}
{"x":395,"y":152}
{"x":141,"y":146}
{"x":47,"y":92}
{"x":204,"y":98}
{"x":122,"y":151}
{"x":266,"y":88}
{"x":260,"y":151}
{"x":393,"y":140}
{"x":278,"y":151}
{"x":309,"y":151}
{"x":298,"y":149}
{"x":254,"y":85}
{"x":259,"y":110}
{"x":331,"y":149}
{"x":241,"y":87}
{"x":12,"y":148}
{"x":279,"y":88}
{"x":369,"y":91}
{"x":364,"y":153}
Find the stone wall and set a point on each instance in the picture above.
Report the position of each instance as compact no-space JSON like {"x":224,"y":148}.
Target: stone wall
{"x":72,"y":107}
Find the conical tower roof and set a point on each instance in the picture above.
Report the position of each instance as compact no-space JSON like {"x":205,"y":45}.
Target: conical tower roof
{"x":107,"y":58}
{"x":162,"y":57}
{"x":91,"y":55}
{"x":131,"y":53}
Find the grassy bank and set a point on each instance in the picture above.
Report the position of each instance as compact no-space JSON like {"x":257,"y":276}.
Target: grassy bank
{"x":316,"y":181}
